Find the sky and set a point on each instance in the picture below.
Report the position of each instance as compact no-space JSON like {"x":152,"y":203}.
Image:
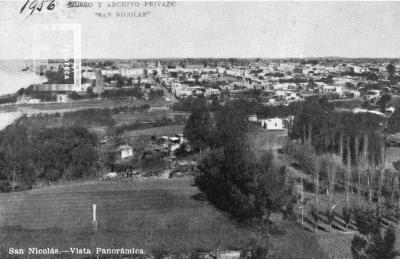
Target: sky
{"x":211,"y":29}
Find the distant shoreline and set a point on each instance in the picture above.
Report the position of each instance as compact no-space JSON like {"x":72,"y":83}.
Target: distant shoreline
{"x":11,"y":82}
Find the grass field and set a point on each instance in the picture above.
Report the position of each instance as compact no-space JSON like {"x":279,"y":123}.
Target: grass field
{"x":157,"y":131}
{"x":152,"y":214}
{"x":79,"y":105}
{"x":153,"y":115}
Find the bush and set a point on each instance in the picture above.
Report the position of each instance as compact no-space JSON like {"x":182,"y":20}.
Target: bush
{"x":48,"y":154}
{"x":304,"y":155}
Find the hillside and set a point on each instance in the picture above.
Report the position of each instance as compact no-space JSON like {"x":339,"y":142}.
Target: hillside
{"x":153,"y":214}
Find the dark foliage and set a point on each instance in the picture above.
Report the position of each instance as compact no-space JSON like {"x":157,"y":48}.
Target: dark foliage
{"x":394,"y":121}
{"x":165,"y":121}
{"x":123,"y":92}
{"x":232,"y":179}
{"x":8,"y":99}
{"x":157,"y":93}
{"x":372,"y":244}
{"x":48,"y":154}
{"x":91,"y":117}
{"x":198,"y":129}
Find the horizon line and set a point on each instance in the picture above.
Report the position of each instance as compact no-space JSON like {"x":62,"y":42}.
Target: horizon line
{"x":240,"y":58}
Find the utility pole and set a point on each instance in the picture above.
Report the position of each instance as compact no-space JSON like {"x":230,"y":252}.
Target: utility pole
{"x":13,"y":177}
{"x":302,"y":202}
{"x":94,"y":222}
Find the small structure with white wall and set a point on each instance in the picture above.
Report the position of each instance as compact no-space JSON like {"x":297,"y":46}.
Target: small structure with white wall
{"x":62,"y":98}
{"x":252,"y":117}
{"x":125,"y":151}
{"x":271,"y":124}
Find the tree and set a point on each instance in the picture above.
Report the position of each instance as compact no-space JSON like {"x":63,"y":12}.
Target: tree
{"x":89,"y":90}
{"x":394,"y":121}
{"x":198,"y":127}
{"x":47,"y":154}
{"x":384,"y":101}
{"x":330,"y":164}
{"x":120,"y":82}
{"x":376,"y":246}
{"x":391,"y":69}
{"x":347,"y":215}
{"x":21,"y":91}
{"x":233,"y":180}
{"x":372,"y":244}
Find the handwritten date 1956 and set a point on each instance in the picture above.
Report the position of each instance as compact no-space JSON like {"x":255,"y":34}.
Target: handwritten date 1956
{"x":37,"y":5}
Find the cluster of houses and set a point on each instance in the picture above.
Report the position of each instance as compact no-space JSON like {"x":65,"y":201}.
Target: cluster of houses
{"x":170,"y":144}
{"x":280,"y":81}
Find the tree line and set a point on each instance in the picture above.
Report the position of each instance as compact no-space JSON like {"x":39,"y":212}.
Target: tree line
{"x":45,"y":155}
{"x":85,"y":117}
{"x":164,"y":121}
{"x":237,"y":179}
{"x":346,"y":152}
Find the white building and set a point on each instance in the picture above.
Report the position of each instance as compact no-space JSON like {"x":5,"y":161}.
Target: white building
{"x":211,"y":91}
{"x":89,"y":74}
{"x":62,"y":98}
{"x":184,"y":92}
{"x":125,"y":151}
{"x":371,"y":94}
{"x":132,"y":72}
{"x":253,"y":117}
{"x":110,"y":72}
{"x":271,"y":124}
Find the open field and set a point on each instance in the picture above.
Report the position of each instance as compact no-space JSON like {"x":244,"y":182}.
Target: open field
{"x":157,"y":131}
{"x":149,"y":214}
{"x":79,"y":105}
{"x":152,"y":115}
{"x":152,"y":214}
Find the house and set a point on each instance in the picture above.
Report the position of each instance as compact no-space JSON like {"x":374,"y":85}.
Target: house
{"x":252,"y":118}
{"x":62,"y":98}
{"x":372,"y":94}
{"x":132,"y":72}
{"x":110,"y":72}
{"x":34,"y":100}
{"x":27,"y":99}
{"x":88,"y":73}
{"x":174,"y":143}
{"x":125,"y":151}
{"x":271,"y":124}
{"x":211,"y":91}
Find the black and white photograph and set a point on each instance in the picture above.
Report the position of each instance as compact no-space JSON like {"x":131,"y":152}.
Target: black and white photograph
{"x":199,"y":129}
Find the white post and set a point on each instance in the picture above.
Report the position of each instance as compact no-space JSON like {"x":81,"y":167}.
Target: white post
{"x":302,"y":203}
{"x":94,"y":212}
{"x":94,"y":223}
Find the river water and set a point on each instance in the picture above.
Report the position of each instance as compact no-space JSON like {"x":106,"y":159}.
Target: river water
{"x":6,"y":118}
{"x":11,"y":81}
